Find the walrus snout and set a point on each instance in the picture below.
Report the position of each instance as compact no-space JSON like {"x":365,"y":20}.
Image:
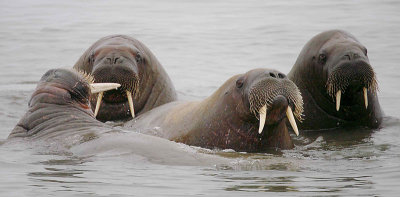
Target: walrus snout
{"x":127,"y":77}
{"x":277,"y":110}
{"x":121,"y":74}
{"x":269,"y":95}
{"x":263,"y":92}
{"x":351,"y":77}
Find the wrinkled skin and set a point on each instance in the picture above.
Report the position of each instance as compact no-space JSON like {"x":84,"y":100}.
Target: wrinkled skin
{"x":331,"y":61}
{"x":59,"y":108}
{"x":124,"y":60}
{"x":225,"y":119}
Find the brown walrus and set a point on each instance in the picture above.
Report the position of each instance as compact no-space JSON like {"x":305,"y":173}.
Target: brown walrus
{"x":247,"y":113}
{"x":337,"y":83}
{"x":124,"y":60}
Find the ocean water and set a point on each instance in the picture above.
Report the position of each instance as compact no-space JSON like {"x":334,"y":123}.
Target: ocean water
{"x":200,"y":44}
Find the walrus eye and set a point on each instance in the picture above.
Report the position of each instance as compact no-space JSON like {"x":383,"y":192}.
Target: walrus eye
{"x":138,"y":58}
{"x":322,"y":58}
{"x":239,"y":83}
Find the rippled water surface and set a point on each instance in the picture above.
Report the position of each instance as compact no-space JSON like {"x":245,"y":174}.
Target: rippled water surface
{"x":200,"y":44}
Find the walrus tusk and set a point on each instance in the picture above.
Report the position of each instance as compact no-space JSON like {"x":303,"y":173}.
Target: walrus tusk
{"x":101,"y":87}
{"x":263,"y":115}
{"x":365,"y":97}
{"x":130,"y":101}
{"x":289,"y":115}
{"x":99,"y":97}
{"x":338,"y":95}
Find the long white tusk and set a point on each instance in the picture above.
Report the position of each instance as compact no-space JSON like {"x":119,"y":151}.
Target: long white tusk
{"x":263,"y":115}
{"x":101,"y":87}
{"x":338,"y":95}
{"x":99,"y":97}
{"x":290,"y":116}
{"x":130,"y":101}
{"x":365,"y":97}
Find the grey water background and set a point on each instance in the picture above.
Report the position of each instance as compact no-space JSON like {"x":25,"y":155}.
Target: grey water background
{"x":201,"y":44}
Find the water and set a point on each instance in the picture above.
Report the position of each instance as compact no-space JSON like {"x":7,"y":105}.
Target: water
{"x":200,"y":44}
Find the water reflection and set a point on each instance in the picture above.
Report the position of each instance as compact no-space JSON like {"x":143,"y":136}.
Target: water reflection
{"x":337,"y":138}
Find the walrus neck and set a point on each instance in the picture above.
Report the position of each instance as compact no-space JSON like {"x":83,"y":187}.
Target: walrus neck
{"x":277,"y":136}
{"x":51,"y":120}
{"x":158,"y":91}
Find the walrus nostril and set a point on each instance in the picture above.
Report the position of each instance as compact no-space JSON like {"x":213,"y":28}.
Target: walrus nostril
{"x":108,"y":60}
{"x":272,"y":75}
{"x":351,"y":56}
{"x":280,"y":75}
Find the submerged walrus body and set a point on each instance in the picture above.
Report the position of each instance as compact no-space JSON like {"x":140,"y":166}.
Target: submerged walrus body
{"x":124,"y":60}
{"x":337,"y":82}
{"x":247,"y":113}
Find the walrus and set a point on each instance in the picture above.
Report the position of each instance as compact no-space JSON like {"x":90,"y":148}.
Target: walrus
{"x":337,"y":82}
{"x":124,"y":60}
{"x":247,"y":113}
{"x":59,"y":120}
{"x":61,"y":103}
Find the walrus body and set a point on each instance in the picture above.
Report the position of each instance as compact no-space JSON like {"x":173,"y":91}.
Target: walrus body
{"x":124,"y":60}
{"x":59,"y":120}
{"x":230,"y":117}
{"x":337,"y":83}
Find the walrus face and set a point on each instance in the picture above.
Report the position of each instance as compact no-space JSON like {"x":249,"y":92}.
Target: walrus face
{"x":348,"y":76}
{"x":117,"y":64}
{"x":269,"y":97}
{"x":62,"y":86}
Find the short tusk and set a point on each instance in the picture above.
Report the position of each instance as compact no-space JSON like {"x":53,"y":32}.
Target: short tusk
{"x":99,"y":98}
{"x":290,"y":116}
{"x":365,"y":97}
{"x":130,"y":101}
{"x":101,"y":87}
{"x":338,"y":95}
{"x":263,"y":115}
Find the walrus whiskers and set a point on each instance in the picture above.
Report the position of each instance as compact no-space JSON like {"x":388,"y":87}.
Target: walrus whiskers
{"x":340,"y":79}
{"x":259,"y":96}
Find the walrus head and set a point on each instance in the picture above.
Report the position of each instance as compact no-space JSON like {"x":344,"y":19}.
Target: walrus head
{"x":265,"y":99}
{"x":58,"y":91}
{"x":335,"y":76}
{"x":117,"y":64}
{"x":348,"y":72}
{"x":116,"y":59}
{"x":63,"y":86}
